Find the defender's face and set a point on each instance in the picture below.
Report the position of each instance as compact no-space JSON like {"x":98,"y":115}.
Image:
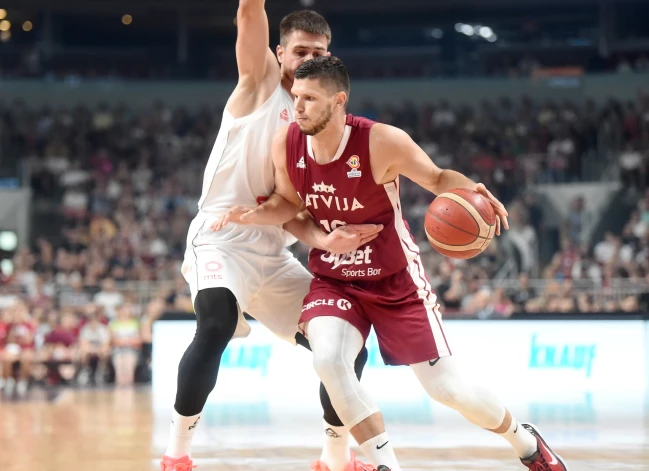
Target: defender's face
{"x":300,"y":48}
{"x":313,"y":105}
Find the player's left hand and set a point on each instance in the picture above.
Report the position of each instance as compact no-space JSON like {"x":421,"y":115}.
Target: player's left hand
{"x":346,"y":238}
{"x":236,"y":215}
{"x":499,"y":208}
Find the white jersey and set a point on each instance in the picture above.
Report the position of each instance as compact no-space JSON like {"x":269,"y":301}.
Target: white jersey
{"x":239,"y":171}
{"x":252,"y":262}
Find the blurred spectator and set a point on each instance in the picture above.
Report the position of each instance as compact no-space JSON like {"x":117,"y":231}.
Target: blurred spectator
{"x":126,"y":341}
{"x":632,"y":167}
{"x":576,"y":220}
{"x":18,"y":356}
{"x":109,"y":298}
{"x":534,"y":211}
{"x":94,"y":350}
{"x":60,"y":351}
{"x":7,"y":298}
{"x":522,"y":293}
{"x":76,"y":296}
{"x":498,"y":306}
{"x":606,"y":249}
{"x":452,"y":292}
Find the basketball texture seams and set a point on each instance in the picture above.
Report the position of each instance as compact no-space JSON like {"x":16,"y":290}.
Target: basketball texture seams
{"x":479,"y":202}
{"x":460,"y":223}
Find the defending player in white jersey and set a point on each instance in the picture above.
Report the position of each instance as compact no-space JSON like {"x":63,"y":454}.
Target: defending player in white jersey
{"x":248,"y":269}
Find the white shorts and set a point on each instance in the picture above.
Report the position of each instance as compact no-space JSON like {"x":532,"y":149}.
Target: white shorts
{"x":252,"y":262}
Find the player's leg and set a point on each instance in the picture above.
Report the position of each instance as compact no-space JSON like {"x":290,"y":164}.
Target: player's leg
{"x":336,"y":343}
{"x":278,"y":306}
{"x":217,"y":314}
{"x":414,"y":334}
{"x":218,"y":292}
{"x":444,"y":381}
{"x":336,"y":453}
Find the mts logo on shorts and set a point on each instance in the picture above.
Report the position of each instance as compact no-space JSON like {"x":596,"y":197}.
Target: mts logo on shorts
{"x":212,"y":269}
{"x":341,"y":304}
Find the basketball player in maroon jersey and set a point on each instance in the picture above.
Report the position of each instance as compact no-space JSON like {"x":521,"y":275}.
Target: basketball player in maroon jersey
{"x":345,"y":170}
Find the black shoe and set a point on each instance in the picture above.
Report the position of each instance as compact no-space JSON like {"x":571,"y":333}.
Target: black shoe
{"x":383,"y":468}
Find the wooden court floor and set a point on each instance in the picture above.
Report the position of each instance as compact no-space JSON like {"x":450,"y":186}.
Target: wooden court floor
{"x":113,"y":430}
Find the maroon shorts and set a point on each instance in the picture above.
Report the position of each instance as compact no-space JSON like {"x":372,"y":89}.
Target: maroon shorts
{"x":401,"y":307}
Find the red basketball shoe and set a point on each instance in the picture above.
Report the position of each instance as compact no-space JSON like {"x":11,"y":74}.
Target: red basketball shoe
{"x":176,"y":464}
{"x":353,"y":465}
{"x":544,"y":459}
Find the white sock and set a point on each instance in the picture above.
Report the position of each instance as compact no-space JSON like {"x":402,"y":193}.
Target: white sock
{"x":379,"y":451}
{"x":524,"y":442}
{"x":335,"y":451}
{"x":180,"y":435}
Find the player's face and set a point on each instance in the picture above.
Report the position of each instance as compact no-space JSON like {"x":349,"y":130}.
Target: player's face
{"x":313,"y":105}
{"x":300,"y":47}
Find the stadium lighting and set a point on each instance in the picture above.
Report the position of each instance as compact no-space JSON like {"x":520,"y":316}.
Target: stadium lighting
{"x":127,"y":19}
{"x":5,"y":25}
{"x":437,"y":33}
{"x":28,"y":26}
{"x":3,"y":13}
{"x":458,"y":27}
{"x":7,"y":267}
{"x":467,"y":29}
{"x":486,"y":32}
{"x":493,"y":38}
{"x":8,"y":239}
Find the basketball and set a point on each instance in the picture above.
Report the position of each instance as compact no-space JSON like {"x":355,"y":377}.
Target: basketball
{"x":460,"y":223}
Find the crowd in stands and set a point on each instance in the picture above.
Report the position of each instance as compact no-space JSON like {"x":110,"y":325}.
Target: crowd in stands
{"x":139,"y":63}
{"x":80,"y":301}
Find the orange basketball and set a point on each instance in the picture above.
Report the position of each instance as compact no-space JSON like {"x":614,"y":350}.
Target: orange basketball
{"x":460,"y":223}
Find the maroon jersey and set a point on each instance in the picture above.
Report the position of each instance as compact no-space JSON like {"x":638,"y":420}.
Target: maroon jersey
{"x":343,"y":191}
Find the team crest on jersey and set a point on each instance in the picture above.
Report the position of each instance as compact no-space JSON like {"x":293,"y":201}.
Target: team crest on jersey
{"x":301,"y":163}
{"x":355,"y":163}
{"x":284,"y":115}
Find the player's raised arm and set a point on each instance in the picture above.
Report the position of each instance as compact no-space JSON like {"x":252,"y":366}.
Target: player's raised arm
{"x":259,"y":72}
{"x":395,"y":153}
{"x":254,"y":57}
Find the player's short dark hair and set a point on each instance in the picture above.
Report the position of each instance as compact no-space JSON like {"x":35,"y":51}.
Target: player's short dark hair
{"x":329,"y":70}
{"x":308,"y":21}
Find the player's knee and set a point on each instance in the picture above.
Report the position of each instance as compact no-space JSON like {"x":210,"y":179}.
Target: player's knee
{"x":448,"y":391}
{"x":217,"y":314}
{"x":331,"y":365}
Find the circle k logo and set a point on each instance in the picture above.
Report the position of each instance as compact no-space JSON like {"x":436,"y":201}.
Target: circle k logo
{"x":213,"y":266}
{"x":344,"y":305}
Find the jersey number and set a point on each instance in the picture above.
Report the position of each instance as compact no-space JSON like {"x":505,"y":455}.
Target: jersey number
{"x":334,"y":224}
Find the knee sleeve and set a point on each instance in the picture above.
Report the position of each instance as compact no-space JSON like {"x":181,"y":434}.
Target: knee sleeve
{"x":444,"y":383}
{"x":217,"y":314}
{"x":336,"y":345}
{"x":329,"y":412}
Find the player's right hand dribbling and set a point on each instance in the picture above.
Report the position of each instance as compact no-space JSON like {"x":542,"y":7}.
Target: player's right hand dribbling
{"x":237,"y":215}
{"x":346,"y":238}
